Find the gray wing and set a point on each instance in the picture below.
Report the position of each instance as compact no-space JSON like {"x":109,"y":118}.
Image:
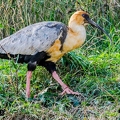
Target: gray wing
{"x":32,"y":39}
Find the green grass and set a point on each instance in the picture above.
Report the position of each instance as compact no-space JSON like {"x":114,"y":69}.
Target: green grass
{"x":93,"y":69}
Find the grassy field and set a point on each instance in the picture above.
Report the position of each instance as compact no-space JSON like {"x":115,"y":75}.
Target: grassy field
{"x":93,"y":69}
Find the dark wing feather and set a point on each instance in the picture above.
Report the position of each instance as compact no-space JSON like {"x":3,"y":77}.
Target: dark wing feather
{"x":34,"y":38}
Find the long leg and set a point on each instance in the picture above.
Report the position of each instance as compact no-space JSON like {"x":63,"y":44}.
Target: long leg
{"x":31,"y":67}
{"x":50,"y":66}
{"x":33,"y":61}
{"x":66,"y":89}
{"x":28,"y":77}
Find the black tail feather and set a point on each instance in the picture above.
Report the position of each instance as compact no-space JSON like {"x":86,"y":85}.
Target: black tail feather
{"x":17,"y":58}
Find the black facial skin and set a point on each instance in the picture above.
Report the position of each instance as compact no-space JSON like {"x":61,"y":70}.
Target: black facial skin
{"x":87,"y":18}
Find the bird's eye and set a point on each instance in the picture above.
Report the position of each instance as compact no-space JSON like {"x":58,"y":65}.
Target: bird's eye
{"x":86,"y":16}
{"x":83,"y":15}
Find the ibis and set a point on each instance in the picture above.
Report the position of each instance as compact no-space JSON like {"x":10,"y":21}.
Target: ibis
{"x":44,"y":43}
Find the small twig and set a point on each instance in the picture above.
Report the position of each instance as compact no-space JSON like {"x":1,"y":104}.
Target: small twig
{"x":5,"y":51}
{"x":13,"y":63}
{"x":17,"y":80}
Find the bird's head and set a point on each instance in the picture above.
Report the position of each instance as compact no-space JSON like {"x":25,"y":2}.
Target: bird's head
{"x":82,"y":18}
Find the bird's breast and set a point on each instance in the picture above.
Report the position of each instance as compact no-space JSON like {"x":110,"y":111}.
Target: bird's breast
{"x":72,"y":42}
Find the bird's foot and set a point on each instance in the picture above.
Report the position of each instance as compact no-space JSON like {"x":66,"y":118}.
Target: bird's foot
{"x":67,"y":90}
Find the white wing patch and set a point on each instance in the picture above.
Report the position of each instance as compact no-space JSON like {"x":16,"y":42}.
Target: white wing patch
{"x":32,"y":39}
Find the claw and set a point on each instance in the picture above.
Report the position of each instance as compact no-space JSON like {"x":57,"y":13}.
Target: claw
{"x":67,"y":90}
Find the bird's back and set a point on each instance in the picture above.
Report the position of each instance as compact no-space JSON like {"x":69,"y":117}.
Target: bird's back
{"x":33,"y":38}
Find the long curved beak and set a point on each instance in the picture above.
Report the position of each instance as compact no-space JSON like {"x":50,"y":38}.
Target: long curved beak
{"x":97,"y":26}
